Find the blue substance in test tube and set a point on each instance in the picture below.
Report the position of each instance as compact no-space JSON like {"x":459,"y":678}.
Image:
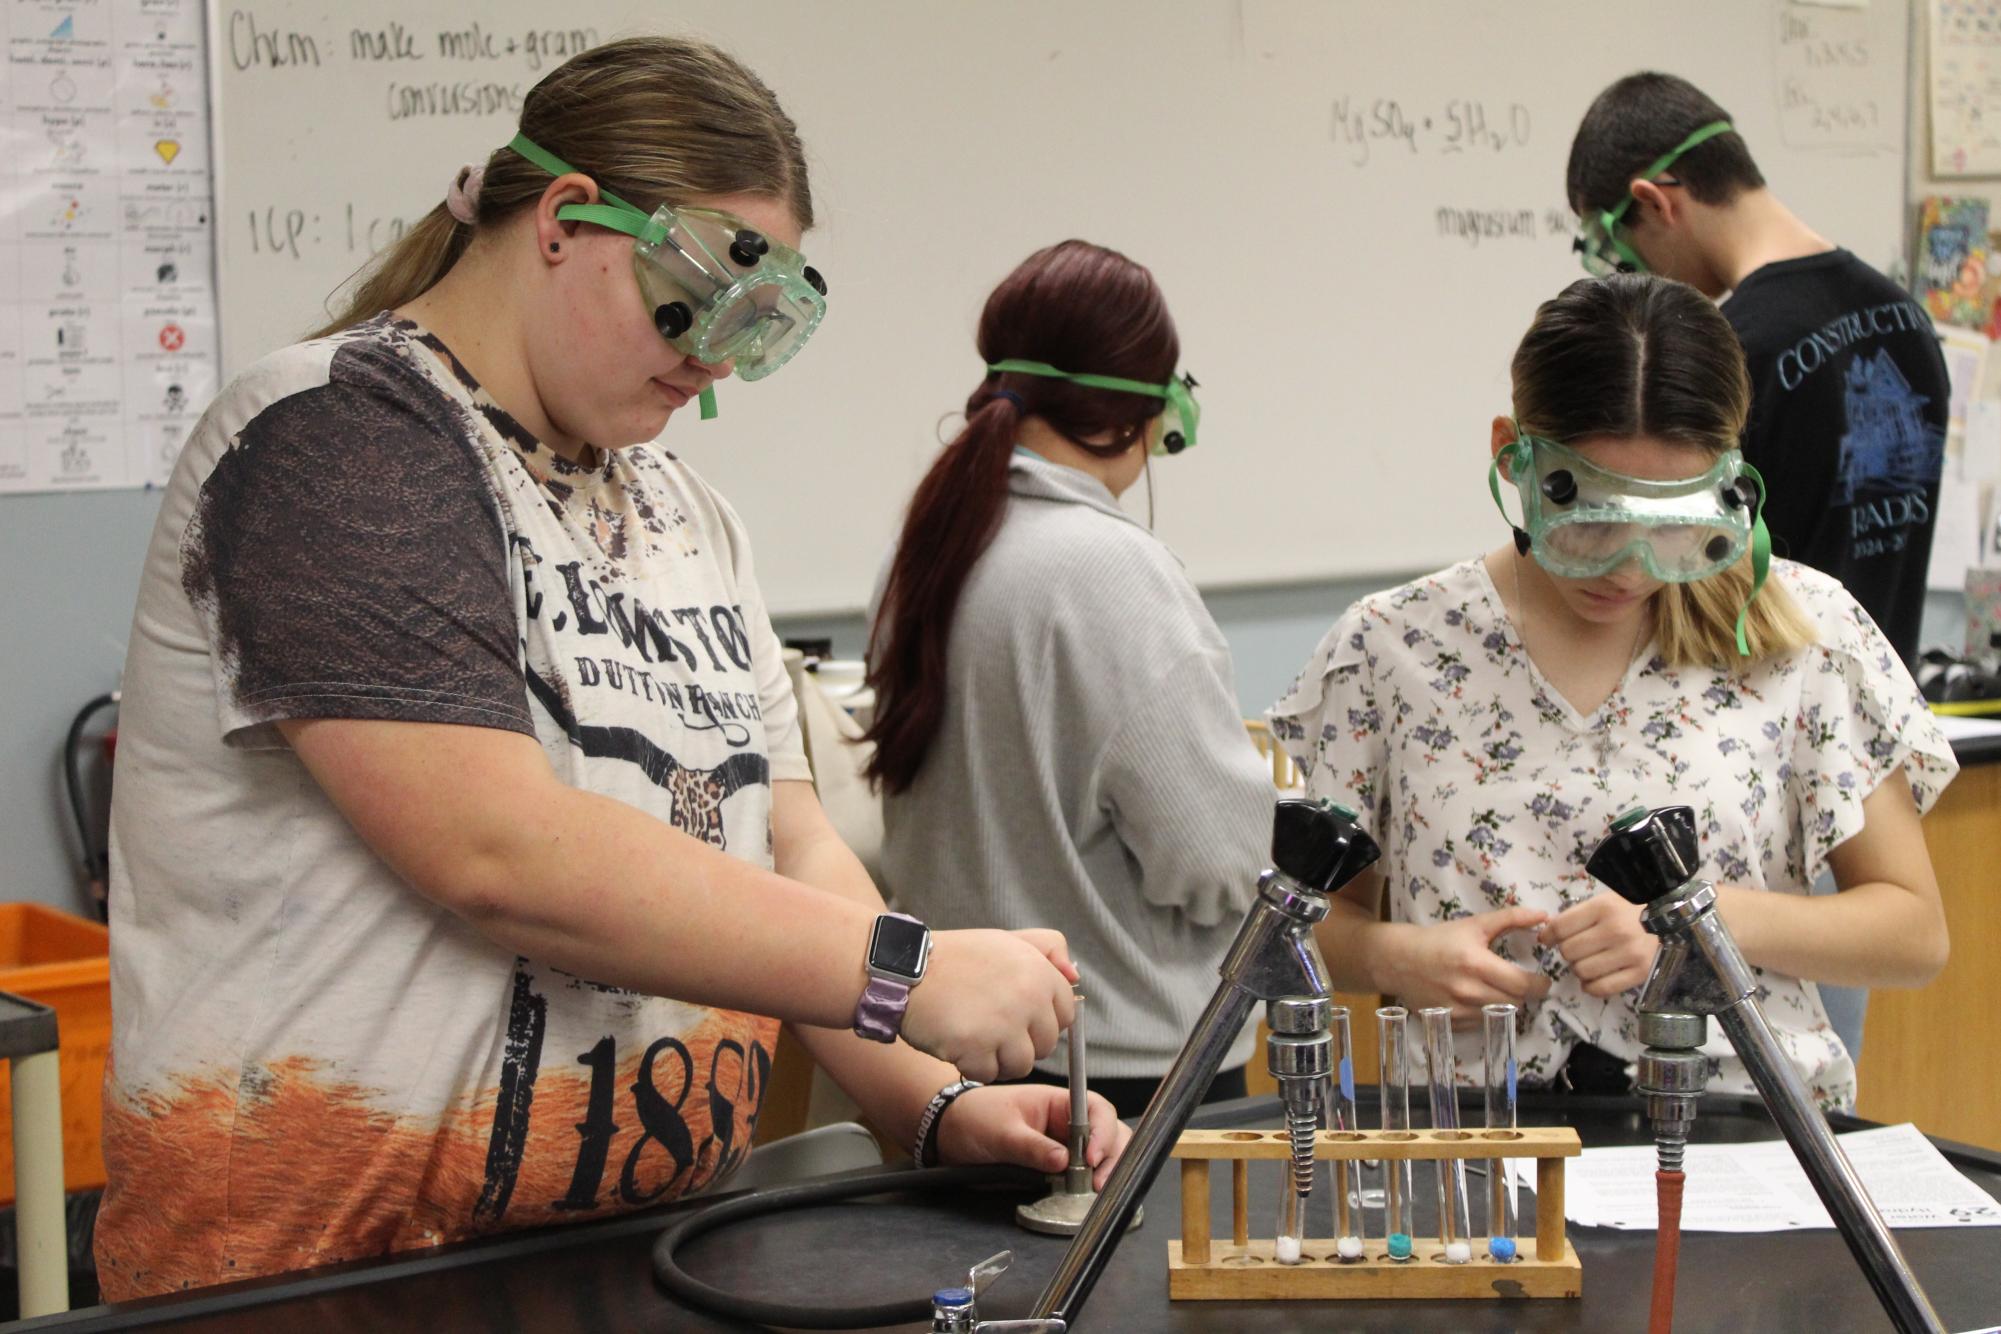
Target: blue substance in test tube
{"x":1501,"y":1248}
{"x":1399,"y":1246}
{"x":1348,"y":1078}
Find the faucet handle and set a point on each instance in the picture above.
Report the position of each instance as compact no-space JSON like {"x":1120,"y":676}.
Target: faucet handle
{"x":1648,"y":853}
{"x":1319,"y":845}
{"x":986,"y":1271}
{"x":964,"y":1303}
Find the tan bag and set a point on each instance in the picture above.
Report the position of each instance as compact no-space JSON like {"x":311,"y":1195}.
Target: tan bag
{"x":835,"y":749}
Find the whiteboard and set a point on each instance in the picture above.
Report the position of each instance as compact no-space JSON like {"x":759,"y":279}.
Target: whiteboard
{"x":1354,"y":208}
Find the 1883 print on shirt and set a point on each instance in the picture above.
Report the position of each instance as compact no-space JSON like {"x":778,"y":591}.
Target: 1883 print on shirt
{"x":313,"y":1062}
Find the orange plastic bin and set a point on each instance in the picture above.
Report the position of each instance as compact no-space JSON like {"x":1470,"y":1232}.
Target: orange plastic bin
{"x":63,"y":961}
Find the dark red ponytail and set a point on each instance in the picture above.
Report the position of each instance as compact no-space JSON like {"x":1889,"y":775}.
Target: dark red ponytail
{"x":1076,"y":306}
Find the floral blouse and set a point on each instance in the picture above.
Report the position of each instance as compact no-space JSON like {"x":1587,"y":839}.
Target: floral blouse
{"x":1485,"y":788}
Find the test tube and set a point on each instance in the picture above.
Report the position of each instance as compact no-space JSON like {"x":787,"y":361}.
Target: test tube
{"x":1289,"y":1240}
{"x":1350,"y":1229}
{"x":1502,"y":1216}
{"x":1454,"y":1226}
{"x":1393,"y":1073}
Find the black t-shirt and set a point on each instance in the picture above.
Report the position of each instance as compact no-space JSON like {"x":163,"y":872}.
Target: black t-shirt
{"x":1848,"y":418}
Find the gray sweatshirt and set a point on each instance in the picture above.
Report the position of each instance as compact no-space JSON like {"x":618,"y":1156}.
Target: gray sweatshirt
{"x":1092,"y":773}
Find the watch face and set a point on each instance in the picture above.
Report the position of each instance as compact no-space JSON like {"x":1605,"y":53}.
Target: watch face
{"x":898,"y":947}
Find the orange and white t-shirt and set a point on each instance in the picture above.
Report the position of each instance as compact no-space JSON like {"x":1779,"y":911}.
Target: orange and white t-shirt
{"x":311,"y":1061}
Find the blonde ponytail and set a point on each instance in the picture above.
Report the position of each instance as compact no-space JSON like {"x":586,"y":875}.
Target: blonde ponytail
{"x":405,"y":271}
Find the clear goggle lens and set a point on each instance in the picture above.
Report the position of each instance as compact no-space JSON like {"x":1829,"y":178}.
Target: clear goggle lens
{"x":1676,"y":552}
{"x":1585,"y":521}
{"x":721,"y":292}
{"x":1599,"y":252}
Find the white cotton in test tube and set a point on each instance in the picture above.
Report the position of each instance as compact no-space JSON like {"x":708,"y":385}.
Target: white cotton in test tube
{"x":1349,"y":1248}
{"x":1288,"y":1250}
{"x":1457,"y":1253}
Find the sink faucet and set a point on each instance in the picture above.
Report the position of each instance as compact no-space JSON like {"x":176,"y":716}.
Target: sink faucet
{"x":1316,"y":848}
{"x":1650,"y":859}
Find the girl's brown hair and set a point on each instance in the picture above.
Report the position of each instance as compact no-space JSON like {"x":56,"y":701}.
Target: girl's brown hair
{"x":1638,"y":355}
{"x":655,"y":120}
{"x":1078,"y":307}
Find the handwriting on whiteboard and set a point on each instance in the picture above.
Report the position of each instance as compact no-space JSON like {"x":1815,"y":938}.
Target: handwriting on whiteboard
{"x":261,"y":44}
{"x":1824,"y":57}
{"x":1474,"y":226}
{"x":276,"y":231}
{"x":1367,"y":127}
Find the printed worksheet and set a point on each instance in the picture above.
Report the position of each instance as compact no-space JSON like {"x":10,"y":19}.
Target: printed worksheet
{"x":1761,"y":1187}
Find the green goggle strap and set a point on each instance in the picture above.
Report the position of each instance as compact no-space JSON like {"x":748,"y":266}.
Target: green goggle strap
{"x":1761,"y":559}
{"x":1515,"y":452}
{"x":1174,"y":391}
{"x":1608,"y":220}
{"x":618,"y":215}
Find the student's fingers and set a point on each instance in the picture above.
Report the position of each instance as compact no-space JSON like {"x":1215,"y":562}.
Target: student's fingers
{"x":1042,"y":1032}
{"x":1574,"y":919}
{"x":1065,"y":1001}
{"x":1499,"y":922}
{"x":1052,"y":946}
{"x":980,"y":1066}
{"x":1020,"y":1138}
{"x":1109,"y":1137}
{"x":1618,"y":981}
{"x":1507,"y":982}
{"x":1594,"y":939}
{"x":1597,"y":965}
{"x":1016,"y":1057}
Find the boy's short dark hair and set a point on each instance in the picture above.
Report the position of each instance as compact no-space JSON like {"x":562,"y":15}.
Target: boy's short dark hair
{"x":1638,"y":119}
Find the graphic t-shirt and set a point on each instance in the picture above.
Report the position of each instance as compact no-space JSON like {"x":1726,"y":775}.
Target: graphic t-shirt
{"x":311,"y":1061}
{"x":1848,"y":416}
{"x":1487,"y":789}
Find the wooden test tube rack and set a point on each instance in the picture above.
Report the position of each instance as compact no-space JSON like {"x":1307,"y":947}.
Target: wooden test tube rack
{"x":1201,"y":1268}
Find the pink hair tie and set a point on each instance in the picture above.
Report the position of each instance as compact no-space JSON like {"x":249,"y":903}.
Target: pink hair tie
{"x":462,"y":200}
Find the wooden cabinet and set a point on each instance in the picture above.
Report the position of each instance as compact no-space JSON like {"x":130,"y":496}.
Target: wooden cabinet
{"x":1933,"y":1056}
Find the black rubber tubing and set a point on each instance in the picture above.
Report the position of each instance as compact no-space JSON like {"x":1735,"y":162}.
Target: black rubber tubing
{"x":715,"y":1301}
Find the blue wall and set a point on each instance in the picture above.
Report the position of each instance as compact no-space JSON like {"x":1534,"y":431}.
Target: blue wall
{"x":73,"y":563}
{"x":73,"y":570}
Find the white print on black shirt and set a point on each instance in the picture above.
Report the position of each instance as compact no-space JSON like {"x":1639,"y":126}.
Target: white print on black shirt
{"x":1815,"y":350}
{"x":1890,"y":454}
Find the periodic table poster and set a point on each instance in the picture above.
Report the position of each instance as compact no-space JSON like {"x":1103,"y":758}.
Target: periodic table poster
{"x":107,"y":306}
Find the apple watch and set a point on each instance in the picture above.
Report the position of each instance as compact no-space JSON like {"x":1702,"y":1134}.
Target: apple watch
{"x":898,"y":949}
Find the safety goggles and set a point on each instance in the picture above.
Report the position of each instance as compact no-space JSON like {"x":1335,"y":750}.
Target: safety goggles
{"x":1580,"y":521}
{"x":1182,"y":413}
{"x":719,"y":290}
{"x":1599,"y":245}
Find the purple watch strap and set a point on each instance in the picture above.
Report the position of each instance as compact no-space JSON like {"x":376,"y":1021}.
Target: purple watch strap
{"x":879,"y":1015}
